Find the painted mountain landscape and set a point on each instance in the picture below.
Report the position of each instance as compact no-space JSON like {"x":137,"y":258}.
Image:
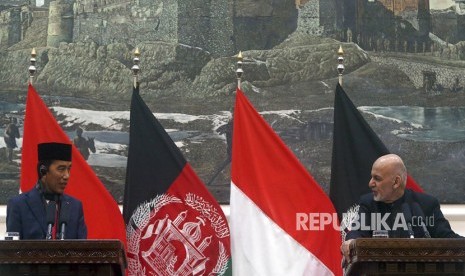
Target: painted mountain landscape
{"x":404,"y":70}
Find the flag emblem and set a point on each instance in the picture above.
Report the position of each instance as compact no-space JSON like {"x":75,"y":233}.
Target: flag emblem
{"x":166,"y":236}
{"x":174,"y":225}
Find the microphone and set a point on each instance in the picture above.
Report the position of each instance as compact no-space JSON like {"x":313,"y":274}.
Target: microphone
{"x":50,"y":210}
{"x":419,"y":213}
{"x":64,"y":218}
{"x":408,"y":217}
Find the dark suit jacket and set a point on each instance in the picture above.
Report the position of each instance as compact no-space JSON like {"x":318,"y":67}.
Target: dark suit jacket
{"x":436,"y":223}
{"x":26,"y":215}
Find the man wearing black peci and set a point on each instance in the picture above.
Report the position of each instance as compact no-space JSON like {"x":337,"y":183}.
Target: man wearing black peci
{"x":403,"y":212}
{"x":45,"y":212}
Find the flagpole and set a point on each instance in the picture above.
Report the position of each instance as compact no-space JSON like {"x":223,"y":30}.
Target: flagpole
{"x":135,"y":68}
{"x":239,"y":71}
{"x":32,"y":68}
{"x":340,"y":66}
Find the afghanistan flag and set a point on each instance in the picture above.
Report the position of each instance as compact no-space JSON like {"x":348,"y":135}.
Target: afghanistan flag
{"x":174,"y":225}
{"x":281,"y":220}
{"x":101,"y":212}
{"x":355,"y":148}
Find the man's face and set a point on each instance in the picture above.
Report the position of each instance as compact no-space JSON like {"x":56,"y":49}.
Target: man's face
{"x":382,"y":182}
{"x":57,"y":176}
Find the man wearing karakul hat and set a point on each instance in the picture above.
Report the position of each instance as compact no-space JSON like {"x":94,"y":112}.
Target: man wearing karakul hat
{"x":27,"y":212}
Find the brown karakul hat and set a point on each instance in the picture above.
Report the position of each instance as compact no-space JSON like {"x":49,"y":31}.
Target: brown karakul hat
{"x":54,"y":151}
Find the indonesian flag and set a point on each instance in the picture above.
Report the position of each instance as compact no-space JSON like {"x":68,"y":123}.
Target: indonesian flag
{"x":355,"y":148}
{"x":276,"y":206}
{"x":174,"y":225}
{"x":101,"y":212}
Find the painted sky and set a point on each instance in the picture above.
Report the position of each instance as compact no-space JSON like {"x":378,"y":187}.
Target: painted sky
{"x":434,"y":4}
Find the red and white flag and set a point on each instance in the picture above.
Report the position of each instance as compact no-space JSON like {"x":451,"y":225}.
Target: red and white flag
{"x":101,"y":212}
{"x":271,"y":192}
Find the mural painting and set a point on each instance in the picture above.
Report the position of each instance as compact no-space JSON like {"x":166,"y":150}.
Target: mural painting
{"x":404,"y":62}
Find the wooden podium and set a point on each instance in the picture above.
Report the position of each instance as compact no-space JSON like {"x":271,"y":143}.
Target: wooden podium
{"x":407,"y":257}
{"x":68,"y":257}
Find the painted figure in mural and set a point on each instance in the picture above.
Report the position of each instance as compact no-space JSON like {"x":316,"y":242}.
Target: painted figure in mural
{"x":456,"y":85}
{"x":11,"y":134}
{"x":84,"y":145}
{"x":349,"y":35}
{"x":387,"y":45}
{"x":227,"y":130}
{"x":379,"y":45}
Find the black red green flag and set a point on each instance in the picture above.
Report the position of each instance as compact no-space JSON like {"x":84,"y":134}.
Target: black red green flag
{"x":355,"y":147}
{"x":174,"y":225}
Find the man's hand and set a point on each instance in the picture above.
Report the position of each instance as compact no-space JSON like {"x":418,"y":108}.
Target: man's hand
{"x":345,"y":250}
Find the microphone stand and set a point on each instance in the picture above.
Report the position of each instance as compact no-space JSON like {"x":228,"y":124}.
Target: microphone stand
{"x":408,"y":217}
{"x":51,"y":213}
{"x":410,"y":230}
{"x":419,"y":212}
{"x":64,"y":217}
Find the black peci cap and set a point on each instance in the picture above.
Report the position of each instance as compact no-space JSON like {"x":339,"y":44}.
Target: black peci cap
{"x":54,"y":151}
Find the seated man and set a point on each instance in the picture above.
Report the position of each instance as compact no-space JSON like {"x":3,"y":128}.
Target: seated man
{"x":388,"y":199}
{"x":26,"y":213}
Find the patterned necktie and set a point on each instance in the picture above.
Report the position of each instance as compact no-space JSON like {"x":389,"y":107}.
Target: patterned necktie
{"x":55,"y":225}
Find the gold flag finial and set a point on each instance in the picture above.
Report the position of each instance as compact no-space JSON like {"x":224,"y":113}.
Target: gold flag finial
{"x":137,"y":52}
{"x":340,"y":51}
{"x":33,"y":52}
{"x":239,"y":56}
